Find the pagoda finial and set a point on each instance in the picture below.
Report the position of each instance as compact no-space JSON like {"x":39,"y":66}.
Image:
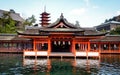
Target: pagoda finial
{"x":45,"y":8}
{"x":61,"y":15}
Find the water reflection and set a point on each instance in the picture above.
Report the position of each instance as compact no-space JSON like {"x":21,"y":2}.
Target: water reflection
{"x":58,"y":66}
{"x":110,"y":65}
{"x":14,"y":64}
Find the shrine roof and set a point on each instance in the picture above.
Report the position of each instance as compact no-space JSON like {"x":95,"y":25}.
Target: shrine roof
{"x":62,"y":26}
{"x":47,"y":31}
{"x":91,"y":32}
{"x":108,"y":38}
{"x":61,"y":19}
{"x":61,"y":30}
{"x":11,"y":37}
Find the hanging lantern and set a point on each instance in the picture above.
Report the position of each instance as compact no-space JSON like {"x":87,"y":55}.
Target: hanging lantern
{"x":58,"y":42}
{"x":115,"y":46}
{"x":68,"y":42}
{"x":54,"y":42}
{"x":42,"y":44}
{"x":95,"y":45}
{"x":105,"y":45}
{"x":63,"y":42}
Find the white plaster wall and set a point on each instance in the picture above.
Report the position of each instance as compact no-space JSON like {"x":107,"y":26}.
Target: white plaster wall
{"x":80,"y":53}
{"x":93,"y":53}
{"x":42,"y":53}
{"x":29,"y":53}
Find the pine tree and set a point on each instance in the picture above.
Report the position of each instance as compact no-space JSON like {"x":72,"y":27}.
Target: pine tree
{"x":7,"y":24}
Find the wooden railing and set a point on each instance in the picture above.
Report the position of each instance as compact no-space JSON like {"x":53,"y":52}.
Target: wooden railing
{"x":10,"y":50}
{"x":110,"y":51}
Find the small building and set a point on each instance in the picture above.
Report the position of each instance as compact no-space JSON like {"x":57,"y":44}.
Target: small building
{"x":15,"y":16}
{"x":107,"y":26}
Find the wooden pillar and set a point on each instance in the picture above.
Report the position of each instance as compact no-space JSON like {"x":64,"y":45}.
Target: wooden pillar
{"x":88,"y":50}
{"x":119,"y":47}
{"x":82,"y":46}
{"x":73,"y":47}
{"x":34,"y":44}
{"x":49,"y":47}
{"x":99,"y":49}
{"x":88,"y":46}
{"x":109,"y":47}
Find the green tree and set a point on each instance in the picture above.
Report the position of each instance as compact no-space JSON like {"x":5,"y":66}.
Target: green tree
{"x":115,"y":31}
{"x":30,"y":20}
{"x":7,"y":24}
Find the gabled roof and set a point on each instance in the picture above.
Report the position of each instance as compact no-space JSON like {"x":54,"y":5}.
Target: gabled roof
{"x":14,"y":16}
{"x":64,"y":21}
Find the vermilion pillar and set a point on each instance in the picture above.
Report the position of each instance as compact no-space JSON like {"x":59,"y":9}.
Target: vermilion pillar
{"x":73,"y":47}
{"x":49,"y":46}
{"x":34,"y":45}
{"x":88,"y":46}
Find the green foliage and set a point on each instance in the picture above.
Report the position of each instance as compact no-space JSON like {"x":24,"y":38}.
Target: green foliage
{"x":7,"y":24}
{"x":103,"y":30}
{"x":30,"y":20}
{"x":115,"y":31}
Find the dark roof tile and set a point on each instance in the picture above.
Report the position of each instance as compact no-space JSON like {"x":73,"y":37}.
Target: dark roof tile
{"x":109,"y":38}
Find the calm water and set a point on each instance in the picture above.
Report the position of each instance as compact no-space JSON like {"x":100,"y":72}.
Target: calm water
{"x":14,"y":64}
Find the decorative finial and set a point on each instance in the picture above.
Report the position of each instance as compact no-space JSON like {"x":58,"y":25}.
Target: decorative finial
{"x":45,"y":8}
{"x":61,"y":15}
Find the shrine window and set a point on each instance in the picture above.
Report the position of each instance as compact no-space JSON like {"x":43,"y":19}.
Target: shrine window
{"x":94,"y":46}
{"x":114,"y":46}
{"x":42,"y":46}
{"x":105,"y":46}
{"x":77,"y":46}
{"x":45,"y":46}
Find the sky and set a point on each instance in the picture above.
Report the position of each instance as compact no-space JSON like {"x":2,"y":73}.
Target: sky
{"x":89,"y":13}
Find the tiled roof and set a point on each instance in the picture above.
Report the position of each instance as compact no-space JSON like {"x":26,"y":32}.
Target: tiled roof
{"x":61,"y":30}
{"x":109,"y":38}
{"x":11,"y":37}
{"x":93,"y":32}
{"x":32,"y":32}
{"x":108,"y":23}
{"x":14,"y":16}
{"x":114,"y":22}
{"x":62,"y":19}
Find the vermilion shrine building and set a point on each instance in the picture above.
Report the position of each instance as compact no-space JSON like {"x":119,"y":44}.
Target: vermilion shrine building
{"x":62,"y":38}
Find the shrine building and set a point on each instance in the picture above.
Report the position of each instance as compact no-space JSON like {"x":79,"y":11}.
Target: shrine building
{"x":63,"y":38}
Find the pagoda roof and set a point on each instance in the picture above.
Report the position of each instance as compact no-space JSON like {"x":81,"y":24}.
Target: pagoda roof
{"x":45,"y":13}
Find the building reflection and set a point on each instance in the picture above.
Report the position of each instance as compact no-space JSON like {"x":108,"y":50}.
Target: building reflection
{"x":46,"y":65}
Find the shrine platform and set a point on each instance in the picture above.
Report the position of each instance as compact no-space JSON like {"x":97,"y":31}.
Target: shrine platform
{"x":60,"y":54}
